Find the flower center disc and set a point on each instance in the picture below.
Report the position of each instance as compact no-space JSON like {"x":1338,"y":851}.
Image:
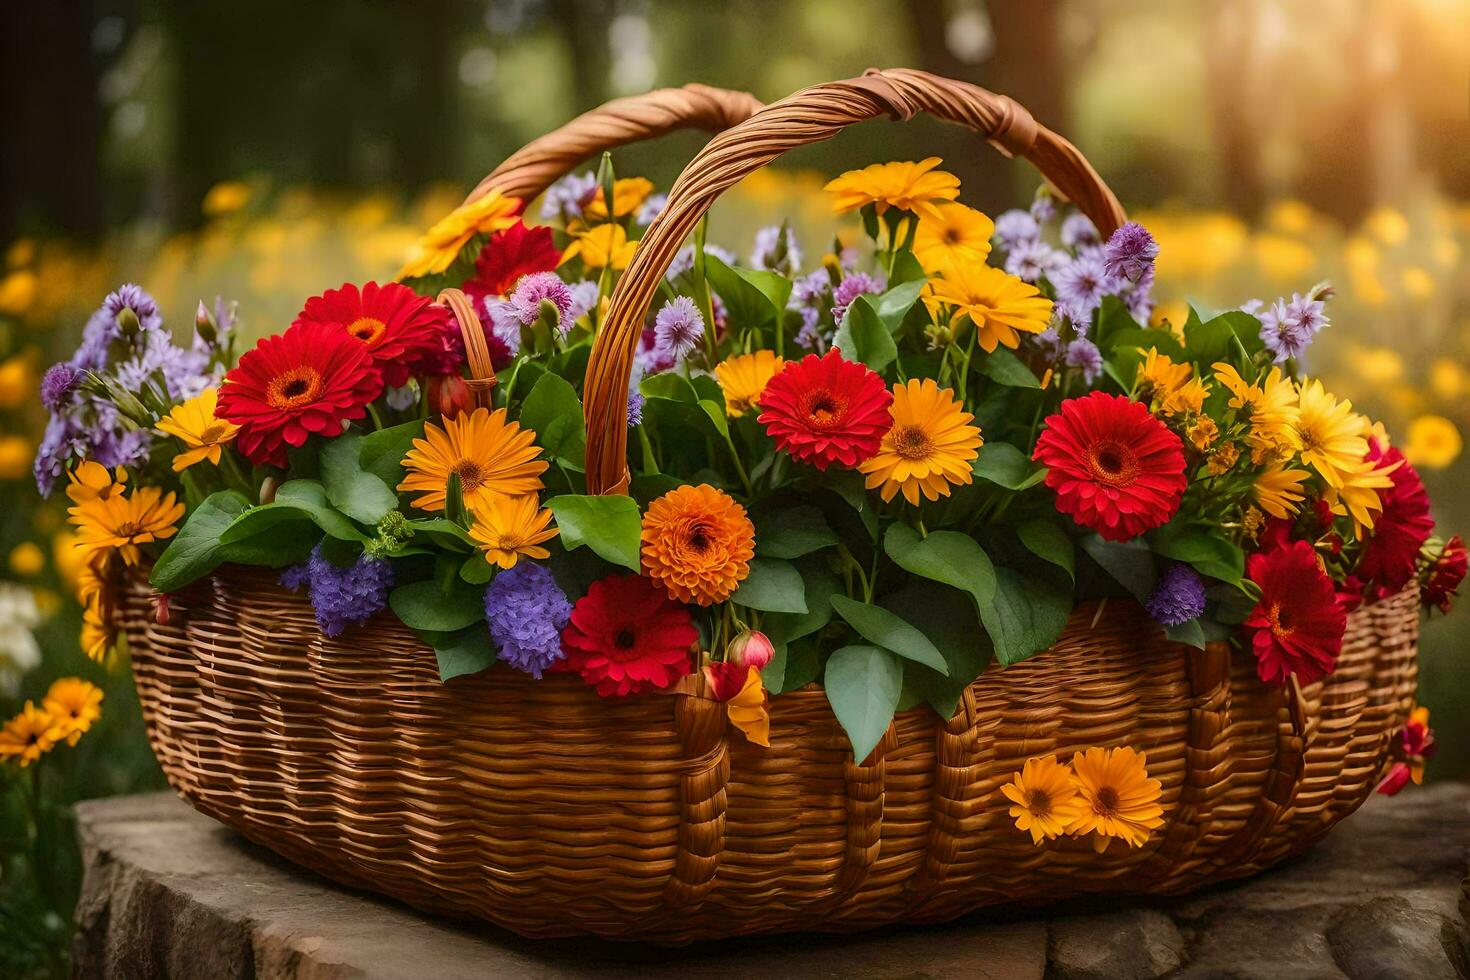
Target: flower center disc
{"x":913,"y":443}
{"x":127,"y":529}
{"x":296,"y":387}
{"x":1106,"y":804}
{"x":1113,"y":464}
{"x":470,"y":475}
{"x":825,"y":409}
{"x":1279,"y":621}
{"x":1039,"y":801}
{"x":368,"y":329}
{"x":211,"y":433}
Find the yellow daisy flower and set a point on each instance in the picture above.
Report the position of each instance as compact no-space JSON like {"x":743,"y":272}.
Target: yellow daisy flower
{"x":744,"y":377}
{"x":1331,"y":434}
{"x":492,"y":455}
{"x":1159,"y":376}
{"x":122,"y":524}
{"x":929,"y":447}
{"x":29,"y":735}
{"x":999,"y":305}
{"x":98,"y":636}
{"x":1358,"y":496}
{"x":1045,"y":798}
{"x":1433,"y":442}
{"x":955,"y":235}
{"x":194,"y":424}
{"x":1278,"y":490}
{"x":441,"y":244}
{"x":1188,"y":398}
{"x":908,"y":186}
{"x":74,"y":704}
{"x":1118,"y":797}
{"x":628,"y":194}
{"x":1270,"y":408}
{"x":92,"y":481}
{"x":510,"y":528}
{"x":603,"y":246}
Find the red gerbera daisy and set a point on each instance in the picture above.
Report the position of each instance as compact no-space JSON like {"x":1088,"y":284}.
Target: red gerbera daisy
{"x":400,"y":327}
{"x":1446,"y":574}
{"x":517,"y":251}
{"x":1391,"y":555}
{"x":306,"y":381}
{"x":627,"y":637}
{"x":1115,"y":468}
{"x":825,"y":410}
{"x":1297,"y":626}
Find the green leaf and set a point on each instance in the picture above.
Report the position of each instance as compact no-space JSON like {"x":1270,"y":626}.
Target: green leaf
{"x":907,"y":268}
{"x":382,"y":452}
{"x":772,"y":586}
{"x":609,"y":525}
{"x":949,"y":619}
{"x":894,"y":305}
{"x":792,"y":666}
{"x":1006,"y":466}
{"x":1130,"y":563}
{"x":1048,"y":540}
{"x":454,"y":510}
{"x":863,"y":337}
{"x":715,"y":411}
{"x":1209,"y":552}
{"x":443,"y":533}
{"x":476,"y":570}
{"x":948,"y":557}
{"x":744,"y":293}
{"x":351,"y":489}
{"x":863,"y":684}
{"x":877,"y":625}
{"x":258,"y":520}
{"x":1208,"y":342}
{"x":1027,"y":616}
{"x":793,"y":532}
{"x":426,"y":606}
{"x":1005,"y":368}
{"x":554,"y":412}
{"x":669,"y":386}
{"x":466,"y":651}
{"x":1142,"y":339}
{"x":819,"y":586}
{"x":1191,"y":633}
{"x":196,"y":550}
{"x":311,"y":497}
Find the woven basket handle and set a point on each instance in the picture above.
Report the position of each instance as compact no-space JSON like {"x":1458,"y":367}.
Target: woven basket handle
{"x":809,"y":116}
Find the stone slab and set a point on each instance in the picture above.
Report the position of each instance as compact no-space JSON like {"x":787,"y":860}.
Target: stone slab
{"x":170,"y":893}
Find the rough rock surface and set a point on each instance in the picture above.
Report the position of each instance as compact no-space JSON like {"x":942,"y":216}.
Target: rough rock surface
{"x":172,"y":894}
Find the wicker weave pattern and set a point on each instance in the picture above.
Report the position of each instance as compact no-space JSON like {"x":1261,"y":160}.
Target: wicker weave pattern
{"x":551,"y":811}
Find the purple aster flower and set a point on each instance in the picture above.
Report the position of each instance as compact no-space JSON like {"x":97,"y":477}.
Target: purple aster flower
{"x":130,"y":296}
{"x":635,"y":406}
{"x":59,"y":385}
{"x":770,"y":254}
{"x":678,"y":327}
{"x":1284,"y":330}
{"x":503,"y":323}
{"x":1049,"y":341}
{"x":567,"y":197}
{"x":1014,"y":227}
{"x":103,"y":330}
{"x":1043,"y":208}
{"x":1030,"y":260}
{"x":1310,"y":313}
{"x":850,"y":288}
{"x":1252,"y":306}
{"x":113,"y":448}
{"x":531,"y":290}
{"x":650,"y":358}
{"x":1139,"y":296}
{"x":296,"y":577}
{"x":684,"y":259}
{"x":810,"y":336}
{"x":1081,"y":284}
{"x":1078,"y":230}
{"x":1178,"y":597}
{"x":343,"y":596}
{"x":1130,"y":252}
{"x":526,"y":611}
{"x":59,"y":443}
{"x":1083,"y":353}
{"x":584,"y":299}
{"x":652,"y":207}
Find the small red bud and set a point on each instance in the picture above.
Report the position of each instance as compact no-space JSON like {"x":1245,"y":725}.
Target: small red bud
{"x":449,"y":395}
{"x":750,"y":649}
{"x":160,"y":610}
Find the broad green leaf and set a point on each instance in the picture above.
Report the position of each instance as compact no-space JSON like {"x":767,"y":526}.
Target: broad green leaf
{"x":257,"y":520}
{"x":793,"y":665}
{"x":863,"y":337}
{"x":609,"y":525}
{"x":1027,"y":616}
{"x":772,"y":586}
{"x":466,"y":651}
{"x":948,"y":557}
{"x":949,"y":619}
{"x":383,"y":451}
{"x":793,"y":532}
{"x":1047,"y":539}
{"x":715,"y":411}
{"x":895,"y":304}
{"x":863,"y":684}
{"x":1143,"y":339}
{"x":877,"y":625}
{"x":443,"y":533}
{"x":554,"y":412}
{"x":1208,"y":342}
{"x":1006,"y":466}
{"x":669,"y":386}
{"x":476,"y":570}
{"x":426,"y":606}
{"x":1192,"y":633}
{"x":907,"y":268}
{"x":744,"y":293}
{"x":352,"y":490}
{"x":311,"y":497}
{"x":1130,"y":563}
{"x":1207,"y":551}
{"x":1005,"y":368}
{"x":196,"y":550}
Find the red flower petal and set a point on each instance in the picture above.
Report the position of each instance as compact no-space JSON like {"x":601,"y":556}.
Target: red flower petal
{"x":825,"y":410}
{"x":1297,"y":626}
{"x":626,"y":637}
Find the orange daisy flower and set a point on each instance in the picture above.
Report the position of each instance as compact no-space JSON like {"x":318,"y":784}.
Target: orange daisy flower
{"x":697,"y":544}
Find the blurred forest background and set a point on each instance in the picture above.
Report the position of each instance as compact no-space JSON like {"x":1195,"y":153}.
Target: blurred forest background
{"x":266,"y":150}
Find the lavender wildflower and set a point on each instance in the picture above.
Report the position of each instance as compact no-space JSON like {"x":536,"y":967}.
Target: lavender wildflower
{"x":534,"y":289}
{"x":1083,"y":353}
{"x":1049,"y":341}
{"x":850,"y":288}
{"x":776,"y":252}
{"x":502,"y":322}
{"x":59,"y":385}
{"x":684,"y":259}
{"x":678,"y":327}
{"x":295,"y":577}
{"x":1138,"y":297}
{"x":526,"y":611}
{"x":1030,"y":260}
{"x":1081,"y":284}
{"x":343,"y":596}
{"x":1043,"y":207}
{"x":636,"y":402}
{"x":403,"y":398}
{"x":1252,"y":306}
{"x":567,"y":197}
{"x":1288,"y":327}
{"x":1130,"y":252}
{"x":1014,"y":227}
{"x":60,"y":441}
{"x":650,"y":358}
{"x":1078,"y":230}
{"x":651,"y":208}
{"x":1178,"y":597}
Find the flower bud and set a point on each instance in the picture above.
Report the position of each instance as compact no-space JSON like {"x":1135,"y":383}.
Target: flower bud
{"x":750,"y":649}
{"x":204,"y":324}
{"x":128,"y":323}
{"x":449,"y":395}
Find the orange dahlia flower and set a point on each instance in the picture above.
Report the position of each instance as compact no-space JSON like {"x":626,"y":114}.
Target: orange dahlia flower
{"x":697,"y":544}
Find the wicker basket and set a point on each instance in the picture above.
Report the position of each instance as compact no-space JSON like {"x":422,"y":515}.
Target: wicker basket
{"x":553,"y":812}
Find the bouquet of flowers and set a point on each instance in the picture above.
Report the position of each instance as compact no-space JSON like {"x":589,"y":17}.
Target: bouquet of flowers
{"x":882,"y":468}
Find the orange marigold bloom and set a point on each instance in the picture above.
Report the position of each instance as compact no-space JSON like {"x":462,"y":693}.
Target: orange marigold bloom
{"x":697,"y":544}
